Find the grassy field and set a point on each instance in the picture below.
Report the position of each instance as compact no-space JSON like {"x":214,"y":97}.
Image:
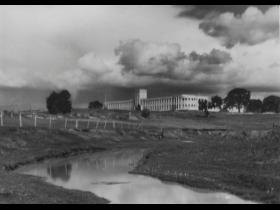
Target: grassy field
{"x":241,"y":161}
{"x":196,"y":119}
{"x":181,"y":120}
{"x":247,"y":167}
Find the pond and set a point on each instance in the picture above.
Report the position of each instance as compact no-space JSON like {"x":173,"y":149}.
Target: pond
{"x":106,"y":174}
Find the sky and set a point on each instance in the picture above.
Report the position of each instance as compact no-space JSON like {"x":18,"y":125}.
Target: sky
{"x":111,"y":50}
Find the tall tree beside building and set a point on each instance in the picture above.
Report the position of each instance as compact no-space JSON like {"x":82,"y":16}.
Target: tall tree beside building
{"x":95,"y":105}
{"x":255,"y":105}
{"x":203,"y":106}
{"x":216,"y":102}
{"x":238,"y":98}
{"x":59,"y":102}
{"x":271,"y":104}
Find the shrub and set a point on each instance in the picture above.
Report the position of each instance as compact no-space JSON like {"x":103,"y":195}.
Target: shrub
{"x":145,"y":113}
{"x":95,"y":105}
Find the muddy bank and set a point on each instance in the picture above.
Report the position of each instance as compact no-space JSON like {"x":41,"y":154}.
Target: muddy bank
{"x":65,"y":154}
{"x":19,"y":147}
{"x":21,"y":189}
{"x":24,"y":146}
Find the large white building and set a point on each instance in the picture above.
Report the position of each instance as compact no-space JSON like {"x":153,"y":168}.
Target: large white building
{"x":120,"y":105}
{"x":179,"y":102}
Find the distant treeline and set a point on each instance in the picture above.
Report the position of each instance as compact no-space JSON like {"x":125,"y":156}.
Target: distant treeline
{"x":240,"y":98}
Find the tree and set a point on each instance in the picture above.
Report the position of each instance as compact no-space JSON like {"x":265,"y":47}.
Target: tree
{"x":237,"y":97}
{"x":216,"y":102}
{"x":203,"y":106}
{"x":138,"y":108}
{"x":271,"y":104}
{"x":95,"y":105}
{"x":145,"y":113}
{"x":59,"y":102}
{"x":254,"y":105}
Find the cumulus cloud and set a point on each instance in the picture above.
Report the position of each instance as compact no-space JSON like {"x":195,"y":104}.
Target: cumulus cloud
{"x":167,"y":60}
{"x":259,"y":65}
{"x":214,"y":57}
{"x":147,"y":58}
{"x":139,"y":63}
{"x":204,"y":11}
{"x":250,"y":28}
{"x":94,"y":64}
{"x":212,"y":62}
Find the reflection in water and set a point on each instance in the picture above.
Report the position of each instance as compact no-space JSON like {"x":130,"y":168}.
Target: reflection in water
{"x":60,"y":172}
{"x":106,"y":175}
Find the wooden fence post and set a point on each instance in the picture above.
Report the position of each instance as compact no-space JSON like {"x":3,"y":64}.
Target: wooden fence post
{"x":1,"y":118}
{"x":65,"y":125}
{"x":77,"y":124}
{"x":20,"y":120}
{"x":114,"y":124}
{"x":105,"y":124}
{"x":35,"y":121}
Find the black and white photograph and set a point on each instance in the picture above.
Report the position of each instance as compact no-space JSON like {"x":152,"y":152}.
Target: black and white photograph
{"x":139,"y":104}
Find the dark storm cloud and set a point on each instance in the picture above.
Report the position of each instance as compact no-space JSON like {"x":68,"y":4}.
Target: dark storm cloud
{"x":23,"y":98}
{"x":203,"y":11}
{"x":147,"y":58}
{"x":251,"y":28}
{"x":164,"y":60}
{"x":236,"y":24}
{"x":145,"y":64}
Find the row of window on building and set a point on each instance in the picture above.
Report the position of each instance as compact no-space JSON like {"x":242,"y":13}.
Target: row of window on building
{"x":120,"y":105}
{"x":182,"y":102}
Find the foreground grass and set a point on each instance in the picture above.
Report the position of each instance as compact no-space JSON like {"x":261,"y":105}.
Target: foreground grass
{"x":245,"y":166}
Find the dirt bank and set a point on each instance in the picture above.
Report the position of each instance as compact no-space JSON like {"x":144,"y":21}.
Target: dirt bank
{"x":20,"y":147}
{"x":23,"y":146}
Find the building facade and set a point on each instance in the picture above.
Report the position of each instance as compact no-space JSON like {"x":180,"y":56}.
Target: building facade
{"x":169,"y":103}
{"x":172,"y":103}
{"x":120,"y":105}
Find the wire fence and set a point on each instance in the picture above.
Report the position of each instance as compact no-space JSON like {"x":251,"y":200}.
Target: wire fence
{"x":24,"y":120}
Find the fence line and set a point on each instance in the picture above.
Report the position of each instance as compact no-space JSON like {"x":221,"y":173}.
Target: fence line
{"x":28,"y":120}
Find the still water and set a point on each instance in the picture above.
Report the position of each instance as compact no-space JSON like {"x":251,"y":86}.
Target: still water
{"x":106,"y":175}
